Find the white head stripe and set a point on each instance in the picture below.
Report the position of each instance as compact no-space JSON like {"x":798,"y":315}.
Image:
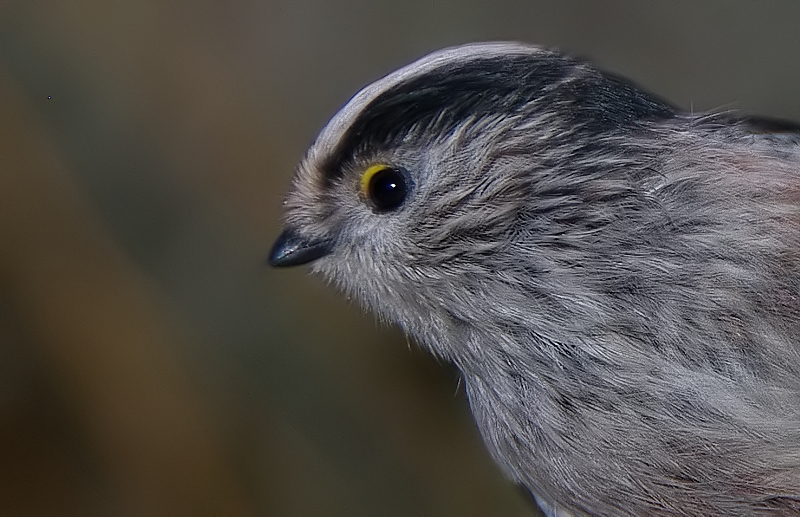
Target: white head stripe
{"x":329,"y":137}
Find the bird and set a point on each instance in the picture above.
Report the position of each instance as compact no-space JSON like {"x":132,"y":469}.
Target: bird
{"x":617,"y":280}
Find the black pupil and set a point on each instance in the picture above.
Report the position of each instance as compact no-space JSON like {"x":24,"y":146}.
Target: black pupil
{"x":387,"y":189}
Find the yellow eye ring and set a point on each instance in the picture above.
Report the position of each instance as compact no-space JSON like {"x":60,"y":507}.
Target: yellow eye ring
{"x":384,"y":187}
{"x":367,"y":177}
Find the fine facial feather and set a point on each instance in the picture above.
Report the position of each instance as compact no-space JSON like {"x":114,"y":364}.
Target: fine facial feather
{"x":617,"y":282}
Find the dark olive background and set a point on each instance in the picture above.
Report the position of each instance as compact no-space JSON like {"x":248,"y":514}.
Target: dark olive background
{"x":150,"y":362}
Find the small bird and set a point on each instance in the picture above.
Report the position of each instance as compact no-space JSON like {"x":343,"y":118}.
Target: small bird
{"x":617,"y":281}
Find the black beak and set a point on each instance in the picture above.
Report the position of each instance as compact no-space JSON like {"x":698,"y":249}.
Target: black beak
{"x":292,"y":250}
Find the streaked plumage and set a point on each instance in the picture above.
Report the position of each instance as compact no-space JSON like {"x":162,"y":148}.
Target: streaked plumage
{"x":617,"y":281}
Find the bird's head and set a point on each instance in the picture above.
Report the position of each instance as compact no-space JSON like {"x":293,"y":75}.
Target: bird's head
{"x":427,"y":185}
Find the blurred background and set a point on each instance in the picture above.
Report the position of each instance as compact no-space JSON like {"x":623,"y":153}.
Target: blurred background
{"x":150,"y":362}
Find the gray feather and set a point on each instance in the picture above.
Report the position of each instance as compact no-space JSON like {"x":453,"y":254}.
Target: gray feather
{"x":617,"y":281}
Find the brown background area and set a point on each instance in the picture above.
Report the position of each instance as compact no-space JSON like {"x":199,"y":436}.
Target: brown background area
{"x":150,"y":363}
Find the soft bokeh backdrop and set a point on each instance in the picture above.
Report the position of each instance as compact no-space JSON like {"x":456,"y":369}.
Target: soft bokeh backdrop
{"x":150,"y":363}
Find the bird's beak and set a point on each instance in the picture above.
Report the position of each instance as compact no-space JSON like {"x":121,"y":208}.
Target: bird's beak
{"x":293,"y":250}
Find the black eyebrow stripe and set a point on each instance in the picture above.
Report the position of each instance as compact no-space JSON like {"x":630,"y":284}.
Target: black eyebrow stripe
{"x":443,"y":98}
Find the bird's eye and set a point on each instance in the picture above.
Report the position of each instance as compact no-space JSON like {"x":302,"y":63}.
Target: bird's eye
{"x":384,"y":187}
